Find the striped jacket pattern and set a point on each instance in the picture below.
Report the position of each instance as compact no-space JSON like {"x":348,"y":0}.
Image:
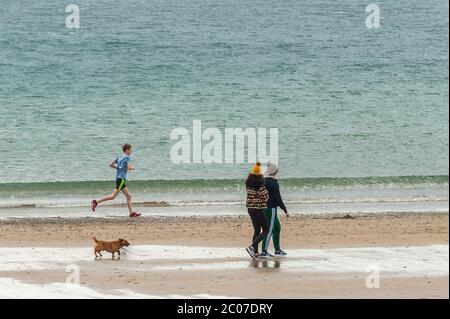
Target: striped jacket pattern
{"x":257,"y":198}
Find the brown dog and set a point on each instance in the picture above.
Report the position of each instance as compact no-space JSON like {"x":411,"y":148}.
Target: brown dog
{"x":109,"y":246}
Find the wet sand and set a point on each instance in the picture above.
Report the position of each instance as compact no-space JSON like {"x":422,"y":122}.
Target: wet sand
{"x":235,"y":275}
{"x":246,"y":283}
{"x":186,"y":272}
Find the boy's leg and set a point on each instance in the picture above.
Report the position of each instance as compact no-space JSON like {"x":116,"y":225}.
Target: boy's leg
{"x":270,"y":214}
{"x":128,"y":196}
{"x":276,"y":233}
{"x":112,"y":196}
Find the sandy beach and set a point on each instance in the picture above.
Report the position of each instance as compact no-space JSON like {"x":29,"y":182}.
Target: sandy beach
{"x":204,"y":257}
{"x":297,"y":232}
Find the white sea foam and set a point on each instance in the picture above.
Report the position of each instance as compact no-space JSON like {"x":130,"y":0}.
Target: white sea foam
{"x":226,"y":197}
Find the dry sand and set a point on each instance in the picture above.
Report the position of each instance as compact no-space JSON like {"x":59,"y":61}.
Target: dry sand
{"x":297,"y":231}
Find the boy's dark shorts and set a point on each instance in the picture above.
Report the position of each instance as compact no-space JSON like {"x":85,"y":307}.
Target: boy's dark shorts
{"x":121,"y":184}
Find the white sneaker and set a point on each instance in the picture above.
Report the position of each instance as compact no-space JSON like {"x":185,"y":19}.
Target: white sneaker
{"x":265,"y":255}
{"x":280,"y":253}
{"x":252,"y":252}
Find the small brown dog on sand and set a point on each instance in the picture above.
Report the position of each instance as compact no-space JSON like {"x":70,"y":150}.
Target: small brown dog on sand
{"x":109,"y":246}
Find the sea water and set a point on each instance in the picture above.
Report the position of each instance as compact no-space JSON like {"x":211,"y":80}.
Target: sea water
{"x":349,"y":102}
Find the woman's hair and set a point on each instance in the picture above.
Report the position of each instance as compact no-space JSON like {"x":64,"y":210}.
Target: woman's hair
{"x":254,"y":181}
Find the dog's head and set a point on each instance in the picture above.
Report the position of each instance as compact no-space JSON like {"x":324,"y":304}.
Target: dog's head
{"x":123,"y":242}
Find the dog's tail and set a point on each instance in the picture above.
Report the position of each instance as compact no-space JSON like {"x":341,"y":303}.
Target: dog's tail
{"x":95,"y":239}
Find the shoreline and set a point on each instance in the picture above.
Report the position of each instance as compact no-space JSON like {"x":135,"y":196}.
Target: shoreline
{"x":123,"y":217}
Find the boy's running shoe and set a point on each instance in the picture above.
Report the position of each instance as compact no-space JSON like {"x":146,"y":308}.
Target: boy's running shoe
{"x":135,"y":214}
{"x":94,"y":205}
{"x":252,"y":252}
{"x":280,"y":253}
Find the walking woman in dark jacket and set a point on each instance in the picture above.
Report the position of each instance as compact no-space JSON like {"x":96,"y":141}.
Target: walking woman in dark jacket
{"x":275,"y":201}
{"x":256,"y":201}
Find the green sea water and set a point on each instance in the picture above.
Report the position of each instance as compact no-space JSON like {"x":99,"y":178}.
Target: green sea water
{"x":349,"y":101}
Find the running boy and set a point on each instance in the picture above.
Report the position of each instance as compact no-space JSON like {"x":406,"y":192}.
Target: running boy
{"x":122,"y":165}
{"x":275,"y":201}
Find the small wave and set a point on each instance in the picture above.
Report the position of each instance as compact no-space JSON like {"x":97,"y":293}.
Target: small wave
{"x":368,"y":200}
{"x":232,"y":202}
{"x":81,"y":204}
{"x":51,"y":189}
{"x":24,"y":206}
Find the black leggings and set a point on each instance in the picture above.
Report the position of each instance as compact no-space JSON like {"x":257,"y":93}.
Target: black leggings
{"x":259,"y":222}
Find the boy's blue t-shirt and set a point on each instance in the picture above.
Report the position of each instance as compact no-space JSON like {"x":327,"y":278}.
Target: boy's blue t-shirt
{"x":122,"y":166}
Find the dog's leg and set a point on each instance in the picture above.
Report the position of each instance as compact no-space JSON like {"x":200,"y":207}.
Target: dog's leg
{"x":118,"y":252}
{"x":112,"y":256}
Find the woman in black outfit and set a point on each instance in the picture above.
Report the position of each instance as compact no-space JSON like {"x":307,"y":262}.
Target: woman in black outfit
{"x":256,"y":201}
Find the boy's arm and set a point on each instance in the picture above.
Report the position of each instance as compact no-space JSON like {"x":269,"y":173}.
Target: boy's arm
{"x":130,"y":167}
{"x":113,"y":164}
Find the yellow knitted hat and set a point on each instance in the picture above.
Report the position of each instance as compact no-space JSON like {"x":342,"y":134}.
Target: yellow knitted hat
{"x":256,"y":169}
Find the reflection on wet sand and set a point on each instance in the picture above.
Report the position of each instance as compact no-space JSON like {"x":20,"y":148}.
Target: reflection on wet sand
{"x":265,"y":263}
{"x":429,"y":260}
